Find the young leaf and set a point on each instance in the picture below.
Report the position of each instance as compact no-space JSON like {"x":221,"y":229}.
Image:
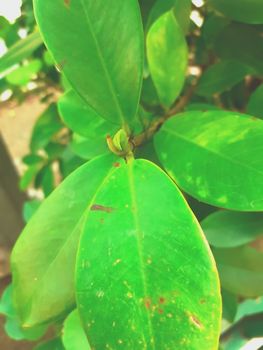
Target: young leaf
{"x":226,"y":229}
{"x":23,"y":74}
{"x":167,"y":57}
{"x":145,"y":276}
{"x":214,"y":156}
{"x":221,"y":76}
{"x":82,"y":119}
{"x":99,"y":47}
{"x":43,"y":259}
{"x":240,"y":270}
{"x":74,"y":337}
{"x":240,"y":10}
{"x":255,"y":103}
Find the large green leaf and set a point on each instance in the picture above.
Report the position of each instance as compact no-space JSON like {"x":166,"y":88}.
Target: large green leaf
{"x":215,"y":157}
{"x":221,"y":76}
{"x":167,"y":56}
{"x":243,"y":43}
{"x":82,"y":119}
{"x":74,"y":337}
{"x":89,"y":148}
{"x":255,"y":103}
{"x":20,"y":51}
{"x":145,"y":276}
{"x":43,"y":259}
{"x":225,"y":229}
{"x":248,"y":11}
{"x":99,"y":47}
{"x":240,"y":270}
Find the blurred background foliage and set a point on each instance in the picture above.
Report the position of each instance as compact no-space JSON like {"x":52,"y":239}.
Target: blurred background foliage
{"x":225,"y":68}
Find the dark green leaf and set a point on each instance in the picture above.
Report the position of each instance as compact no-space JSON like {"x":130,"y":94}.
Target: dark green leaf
{"x":240,"y":270}
{"x":145,"y":276}
{"x":82,"y":119}
{"x":47,"y":246}
{"x":20,"y":51}
{"x":215,"y":157}
{"x":47,"y":125}
{"x":221,"y":76}
{"x":74,"y":337}
{"x":54,"y":344}
{"x":240,"y":10}
{"x":249,"y":307}
{"x":99,"y":47}
{"x":226,"y":229}
{"x":230,"y":305}
{"x":167,"y":56}
{"x":255,"y":103}
{"x":243,"y":43}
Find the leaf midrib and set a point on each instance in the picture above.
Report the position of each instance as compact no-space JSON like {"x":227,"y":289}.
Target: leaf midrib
{"x":220,"y":155}
{"x":104,"y":65}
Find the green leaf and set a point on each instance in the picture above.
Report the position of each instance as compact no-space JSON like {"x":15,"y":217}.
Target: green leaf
{"x":54,"y":344}
{"x":29,"y":175}
{"x":89,"y":148}
{"x":167,"y":56}
{"x":240,"y":270}
{"x":100,"y":54}
{"x":181,"y":9}
{"x":82,"y":119}
{"x":214,"y":156}
{"x":255,"y":103}
{"x":226,"y":229}
{"x":145,"y":278}
{"x":74,"y":337}
{"x":20,"y":51}
{"x":230,"y":305}
{"x":29,"y":208}
{"x":249,"y":307}
{"x":243,"y":43}
{"x":221,"y":77}
{"x":240,"y":10}
{"x":50,"y":240}
{"x":235,"y":342}
{"x":23,"y":74}
{"x":12,"y":325}
{"x":47,"y":126}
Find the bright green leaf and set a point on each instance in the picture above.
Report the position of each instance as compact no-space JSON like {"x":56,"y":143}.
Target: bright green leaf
{"x":99,"y":47}
{"x":221,"y":77}
{"x":255,"y":103}
{"x":240,"y":270}
{"x":167,"y":57}
{"x":20,"y":51}
{"x":145,"y":276}
{"x":74,"y":337}
{"x":89,"y":148}
{"x":23,"y":74}
{"x":47,"y":246}
{"x":82,"y":119}
{"x":215,"y":157}
{"x":248,"y":11}
{"x":226,"y":229}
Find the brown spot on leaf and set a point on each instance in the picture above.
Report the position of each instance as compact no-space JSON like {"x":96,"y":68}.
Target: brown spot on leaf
{"x":160,"y":311}
{"x":162,"y":300}
{"x":67,"y":3}
{"x":98,"y":207}
{"x":195,"y":321}
{"x":116,"y":164}
{"x":147,"y":303}
{"x":202,"y":301}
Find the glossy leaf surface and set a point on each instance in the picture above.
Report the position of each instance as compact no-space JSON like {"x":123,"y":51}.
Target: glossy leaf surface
{"x":43,"y":259}
{"x":225,"y":229}
{"x":167,"y":57}
{"x":74,"y":337}
{"x":20,"y":51}
{"x":220,"y":77}
{"x":215,"y":157}
{"x":145,"y":276}
{"x":100,"y":54}
{"x":255,"y":103}
{"x":240,"y":10}
{"x":240,"y":270}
